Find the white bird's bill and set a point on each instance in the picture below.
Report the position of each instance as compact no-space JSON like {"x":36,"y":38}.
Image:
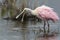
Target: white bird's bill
{"x":20,"y":14}
{"x":17,"y":16}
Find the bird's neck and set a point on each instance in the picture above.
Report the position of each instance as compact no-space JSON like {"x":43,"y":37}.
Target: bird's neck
{"x":30,"y":10}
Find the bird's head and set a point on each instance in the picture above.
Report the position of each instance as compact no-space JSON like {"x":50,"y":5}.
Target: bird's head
{"x":30,"y":11}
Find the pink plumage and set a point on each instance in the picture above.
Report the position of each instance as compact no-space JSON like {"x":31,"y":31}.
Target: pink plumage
{"x":43,"y":12}
{"x":46,"y":13}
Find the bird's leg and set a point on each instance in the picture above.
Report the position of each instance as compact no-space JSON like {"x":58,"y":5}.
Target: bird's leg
{"x":23,"y":17}
{"x":44,"y":28}
{"x":20,"y":14}
{"x":48,"y":27}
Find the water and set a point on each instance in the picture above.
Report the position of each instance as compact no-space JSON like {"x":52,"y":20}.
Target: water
{"x":13,"y":30}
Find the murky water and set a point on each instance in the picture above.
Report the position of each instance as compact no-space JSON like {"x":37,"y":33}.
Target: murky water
{"x":14,"y":30}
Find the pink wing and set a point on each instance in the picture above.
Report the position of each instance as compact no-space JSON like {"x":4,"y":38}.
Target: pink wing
{"x":45,"y":12}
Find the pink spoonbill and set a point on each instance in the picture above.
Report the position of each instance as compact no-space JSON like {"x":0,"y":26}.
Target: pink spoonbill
{"x":43,"y":12}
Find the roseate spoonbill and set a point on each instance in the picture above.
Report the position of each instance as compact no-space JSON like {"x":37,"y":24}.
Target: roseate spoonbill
{"x":43,"y":12}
